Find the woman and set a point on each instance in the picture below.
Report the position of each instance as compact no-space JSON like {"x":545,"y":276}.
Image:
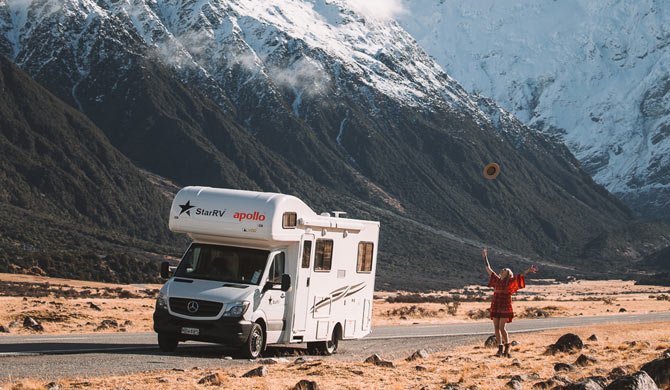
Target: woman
{"x":504,"y":286}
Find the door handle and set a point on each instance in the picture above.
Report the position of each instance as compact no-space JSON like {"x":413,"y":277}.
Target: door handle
{"x":282,"y":295}
{"x":308,"y":281}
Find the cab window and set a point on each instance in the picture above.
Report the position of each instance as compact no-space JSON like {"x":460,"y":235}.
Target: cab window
{"x":277,"y":268}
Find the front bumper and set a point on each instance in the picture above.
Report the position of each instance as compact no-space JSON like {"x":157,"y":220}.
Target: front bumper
{"x":229,"y":331}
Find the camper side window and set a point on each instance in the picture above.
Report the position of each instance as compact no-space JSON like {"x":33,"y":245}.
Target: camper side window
{"x":364,"y":257}
{"x":289,"y":220}
{"x":323,"y":257}
{"x":277,"y":268}
{"x":306,"y":254}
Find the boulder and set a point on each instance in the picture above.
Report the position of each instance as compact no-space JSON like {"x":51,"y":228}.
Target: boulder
{"x":273,"y":361}
{"x":548,"y":384}
{"x":586,"y":384}
{"x":304,"y":384}
{"x":637,"y":381}
{"x":420,"y":354}
{"x":564,"y":367}
{"x":31,"y":323}
{"x":299,"y":360}
{"x":256,"y":372}
{"x":514,"y":384}
{"x":214,"y":379}
{"x":3,"y":329}
{"x":420,"y":368}
{"x":491,"y":342}
{"x":622,"y":310}
{"x":617,"y":372}
{"x":53,"y":386}
{"x":593,"y":338}
{"x":659,"y":371}
{"x":109,"y":323}
{"x":373,"y":359}
{"x":94,"y":306}
{"x":516,"y":363}
{"x":585,"y":360}
{"x":569,"y":342}
{"x":666,"y":353}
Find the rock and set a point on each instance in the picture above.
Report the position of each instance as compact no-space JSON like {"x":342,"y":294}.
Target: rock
{"x":534,"y":376}
{"x":452,"y":386}
{"x":514,"y":384}
{"x":516,"y":363}
{"x":385,"y":363}
{"x":584,"y":360}
{"x":548,"y":384}
{"x":659,"y":371}
{"x":666,"y":353}
{"x":273,"y":361}
{"x":52,"y":386}
{"x":638,"y":381}
{"x":587,"y":384}
{"x":94,"y":306}
{"x":211,"y":380}
{"x":163,"y":380}
{"x":299,"y":360}
{"x":127,"y":323}
{"x":420,"y":354}
{"x":617,"y":372}
{"x":569,"y":342}
{"x":564,"y":367}
{"x":3,"y":329}
{"x":109,"y":323}
{"x":622,"y":310}
{"x":227,"y":357}
{"x":491,"y":342}
{"x":420,"y":368}
{"x":256,"y":372}
{"x":514,"y":343}
{"x":373,"y":359}
{"x":593,"y":338}
{"x":31,"y":323}
{"x":306,"y":385}
{"x":403,"y":317}
{"x":178,"y":369}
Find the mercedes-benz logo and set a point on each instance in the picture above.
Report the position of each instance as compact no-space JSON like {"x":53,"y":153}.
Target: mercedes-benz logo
{"x":192,"y":306}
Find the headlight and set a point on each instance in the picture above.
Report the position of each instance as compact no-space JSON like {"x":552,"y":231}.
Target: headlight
{"x":161,"y":301}
{"x":236,"y":309}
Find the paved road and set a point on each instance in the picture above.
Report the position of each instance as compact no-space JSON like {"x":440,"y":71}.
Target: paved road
{"x":53,"y":356}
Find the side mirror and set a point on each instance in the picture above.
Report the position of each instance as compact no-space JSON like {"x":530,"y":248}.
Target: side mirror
{"x":285,"y":282}
{"x":165,"y":270}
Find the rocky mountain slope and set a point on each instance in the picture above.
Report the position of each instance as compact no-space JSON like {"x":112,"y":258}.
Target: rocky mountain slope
{"x":594,"y":73}
{"x":327,"y":102}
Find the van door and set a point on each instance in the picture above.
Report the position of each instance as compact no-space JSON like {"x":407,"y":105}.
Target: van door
{"x":273,"y":301}
{"x":301,"y":288}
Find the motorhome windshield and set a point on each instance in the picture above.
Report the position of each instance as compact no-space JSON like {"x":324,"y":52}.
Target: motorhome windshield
{"x":223,"y":263}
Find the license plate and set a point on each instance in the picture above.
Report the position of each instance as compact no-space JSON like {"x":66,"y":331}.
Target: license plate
{"x":190,"y":331}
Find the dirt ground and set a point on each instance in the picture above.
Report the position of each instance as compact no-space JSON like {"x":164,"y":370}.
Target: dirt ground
{"x":618,"y":346}
{"x":72,"y":306}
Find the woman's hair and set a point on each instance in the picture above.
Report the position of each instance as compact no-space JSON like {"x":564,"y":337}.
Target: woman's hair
{"x":510,"y":274}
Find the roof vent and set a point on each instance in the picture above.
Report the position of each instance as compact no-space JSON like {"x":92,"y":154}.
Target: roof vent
{"x":325,"y":214}
{"x":337,"y":214}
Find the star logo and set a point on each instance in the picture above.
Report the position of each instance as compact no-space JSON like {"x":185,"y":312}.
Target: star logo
{"x":186,"y":208}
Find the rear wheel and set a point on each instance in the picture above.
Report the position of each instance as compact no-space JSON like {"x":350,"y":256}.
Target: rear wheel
{"x":325,"y":347}
{"x":255,"y":344}
{"x":167,"y":343}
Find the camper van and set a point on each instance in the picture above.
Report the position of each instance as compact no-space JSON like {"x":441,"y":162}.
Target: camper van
{"x":263,"y":268}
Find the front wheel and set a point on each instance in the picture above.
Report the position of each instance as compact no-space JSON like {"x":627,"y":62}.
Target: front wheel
{"x":167,"y":343}
{"x":254,"y":345}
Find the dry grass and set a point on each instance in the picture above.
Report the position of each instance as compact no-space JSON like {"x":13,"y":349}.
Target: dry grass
{"x":63,"y":306}
{"x":627,"y":346}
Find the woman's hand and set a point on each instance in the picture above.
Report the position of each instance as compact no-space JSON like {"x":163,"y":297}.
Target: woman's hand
{"x":533,"y":269}
{"x":485,"y":253}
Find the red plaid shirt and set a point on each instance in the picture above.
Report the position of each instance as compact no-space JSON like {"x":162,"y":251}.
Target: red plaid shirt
{"x":501,"y":305}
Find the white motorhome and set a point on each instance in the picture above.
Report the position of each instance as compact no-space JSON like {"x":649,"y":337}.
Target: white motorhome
{"x":263,"y":268}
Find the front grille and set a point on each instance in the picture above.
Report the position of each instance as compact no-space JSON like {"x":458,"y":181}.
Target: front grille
{"x":205,"y":308}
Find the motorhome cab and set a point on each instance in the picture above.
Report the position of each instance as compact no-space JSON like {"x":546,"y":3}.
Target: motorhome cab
{"x":263,"y":269}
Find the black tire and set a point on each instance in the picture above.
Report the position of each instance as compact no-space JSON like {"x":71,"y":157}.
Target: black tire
{"x":325,"y":347}
{"x":255,"y":344}
{"x":167,"y":343}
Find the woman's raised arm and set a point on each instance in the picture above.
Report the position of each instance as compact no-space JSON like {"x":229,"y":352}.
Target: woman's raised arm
{"x":485,"y":256}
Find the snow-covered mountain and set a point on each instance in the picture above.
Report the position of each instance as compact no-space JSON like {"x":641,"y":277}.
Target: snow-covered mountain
{"x":596,"y":72}
{"x":324,"y":99}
